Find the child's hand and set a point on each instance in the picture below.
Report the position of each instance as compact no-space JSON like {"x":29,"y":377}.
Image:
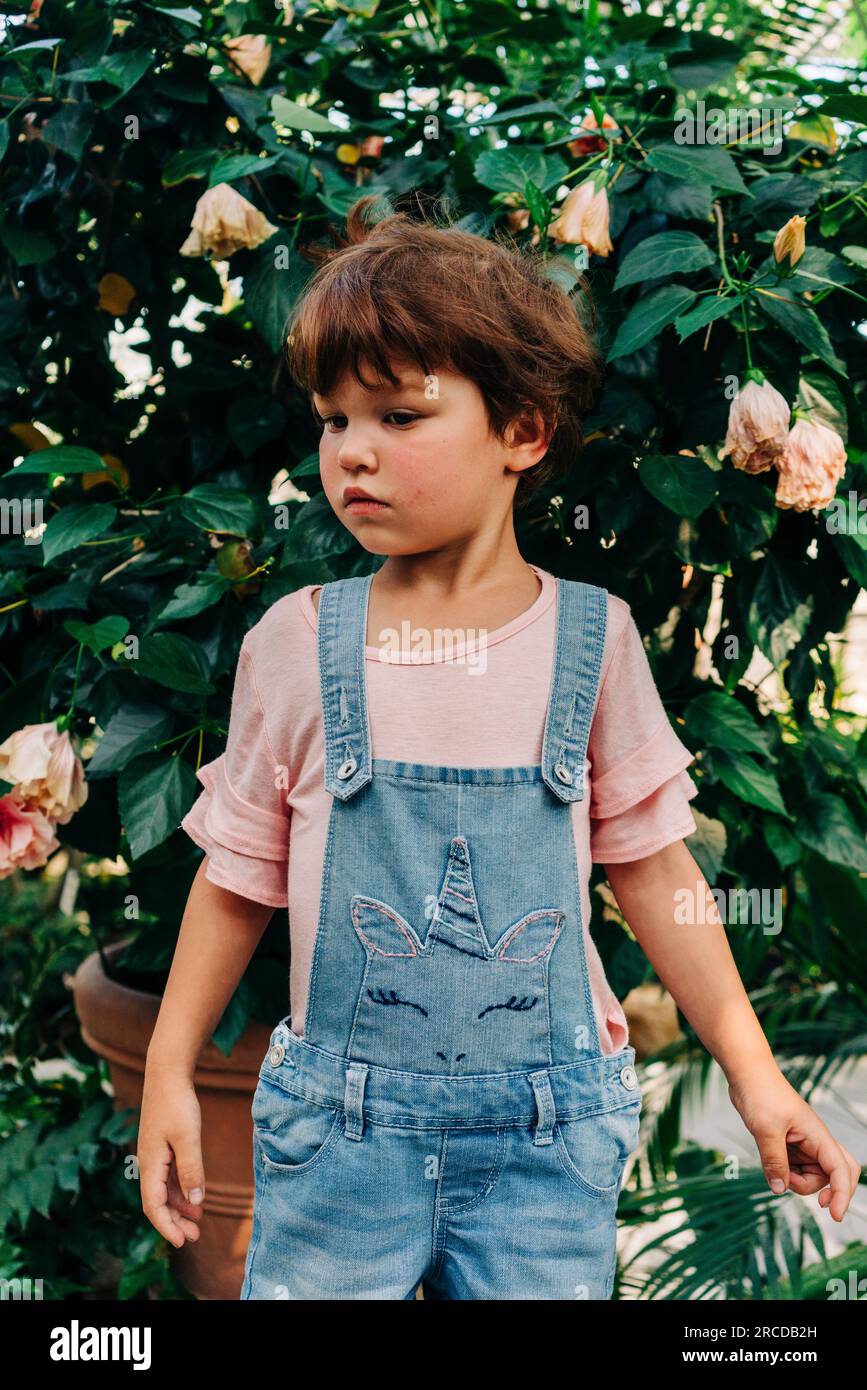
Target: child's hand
{"x":170,"y":1156}
{"x":796,"y":1148}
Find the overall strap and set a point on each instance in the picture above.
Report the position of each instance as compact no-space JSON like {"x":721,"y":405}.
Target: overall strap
{"x":342,"y":636}
{"x":582,"y":615}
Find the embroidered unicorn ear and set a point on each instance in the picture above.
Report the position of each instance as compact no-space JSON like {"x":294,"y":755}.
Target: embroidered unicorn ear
{"x":383,"y":930}
{"x":531,"y":939}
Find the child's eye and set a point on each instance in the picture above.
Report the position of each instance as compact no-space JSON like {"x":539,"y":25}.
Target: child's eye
{"x":399,"y":417}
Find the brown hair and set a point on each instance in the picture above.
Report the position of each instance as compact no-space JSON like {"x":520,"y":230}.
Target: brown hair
{"x":442,"y":296}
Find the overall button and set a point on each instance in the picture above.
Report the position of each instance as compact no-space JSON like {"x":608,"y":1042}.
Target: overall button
{"x":276,"y":1055}
{"x":629,"y":1078}
{"x":346,"y":769}
{"x":563,"y":773}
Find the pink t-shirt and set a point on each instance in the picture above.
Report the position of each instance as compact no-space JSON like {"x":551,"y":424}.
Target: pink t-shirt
{"x":263,"y":816}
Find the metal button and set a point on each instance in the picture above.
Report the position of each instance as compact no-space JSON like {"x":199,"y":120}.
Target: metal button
{"x":276,"y":1055}
{"x":629,"y":1078}
{"x":346,"y":769}
{"x":563,"y":773}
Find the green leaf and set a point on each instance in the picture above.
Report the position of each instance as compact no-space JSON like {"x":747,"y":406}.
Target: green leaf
{"x":297,"y":117}
{"x":271,"y":288}
{"x":685,"y":485}
{"x":188,"y":164}
{"x":154,"y":793}
{"x":801,"y":323}
{"x":667,"y":253}
{"x":510,"y":170}
{"x":99,"y":635}
{"x":824,"y":399}
{"x":132,"y":730}
{"x":174,"y":661}
{"x":706,"y":164}
{"x":122,"y":69}
{"x":73,"y":525}
{"x":308,"y":467}
{"x":708,"y":311}
{"x":26,"y":247}
{"x":846,"y":106}
{"x":190,"y":599}
{"x":782,"y":842}
{"x":856,"y":254}
{"x":828,"y":826}
{"x":238,"y":166}
{"x":707,"y":845}
{"x":779,"y":612}
{"x":539,"y":205}
{"x":720,"y":721}
{"x":538,"y":109}
{"x":649,"y":316}
{"x":746,"y":779}
{"x":60,"y":458}
{"x":214,"y":508}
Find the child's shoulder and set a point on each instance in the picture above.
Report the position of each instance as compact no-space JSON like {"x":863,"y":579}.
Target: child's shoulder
{"x":289,"y":622}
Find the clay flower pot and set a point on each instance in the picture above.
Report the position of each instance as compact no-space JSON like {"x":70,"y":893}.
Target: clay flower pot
{"x":117,"y":1023}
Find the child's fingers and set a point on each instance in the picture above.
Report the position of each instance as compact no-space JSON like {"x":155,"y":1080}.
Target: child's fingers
{"x":838,"y":1164}
{"x":154,"y":1175}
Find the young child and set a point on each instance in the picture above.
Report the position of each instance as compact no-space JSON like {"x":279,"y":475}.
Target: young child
{"x":423,"y":764}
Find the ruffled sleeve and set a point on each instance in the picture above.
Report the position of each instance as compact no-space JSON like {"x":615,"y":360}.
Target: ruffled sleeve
{"x":241,"y":819}
{"x":640,"y":789}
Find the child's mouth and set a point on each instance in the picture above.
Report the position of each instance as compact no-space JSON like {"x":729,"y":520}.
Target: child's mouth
{"x":365,"y":504}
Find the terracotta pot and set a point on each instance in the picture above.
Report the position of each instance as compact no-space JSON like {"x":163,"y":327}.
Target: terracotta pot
{"x":117,"y":1023}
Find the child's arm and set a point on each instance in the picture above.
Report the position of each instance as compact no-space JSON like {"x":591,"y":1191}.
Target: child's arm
{"x":218,"y":936}
{"x":696,"y":965}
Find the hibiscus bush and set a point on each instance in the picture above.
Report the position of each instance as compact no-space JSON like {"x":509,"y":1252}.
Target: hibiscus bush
{"x":163,"y":170}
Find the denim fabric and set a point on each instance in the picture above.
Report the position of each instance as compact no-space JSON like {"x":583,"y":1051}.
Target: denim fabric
{"x":449,"y":1116}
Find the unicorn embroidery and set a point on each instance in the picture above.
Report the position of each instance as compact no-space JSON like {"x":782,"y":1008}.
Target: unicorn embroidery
{"x":449,"y":1000}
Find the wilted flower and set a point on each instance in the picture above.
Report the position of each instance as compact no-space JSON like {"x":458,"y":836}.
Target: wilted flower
{"x":47,"y":774}
{"x":811,"y":466}
{"x":251,"y":55}
{"x":591,"y":144}
{"x":758,"y":427}
{"x":224,"y":222}
{"x":790,"y":241}
{"x":26,"y":837}
{"x":584,"y":218}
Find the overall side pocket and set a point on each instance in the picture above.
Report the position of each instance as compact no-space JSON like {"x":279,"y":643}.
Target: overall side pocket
{"x":594,"y":1148}
{"x":293,"y":1133}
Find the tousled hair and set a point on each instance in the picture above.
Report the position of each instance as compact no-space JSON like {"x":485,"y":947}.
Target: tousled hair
{"x":443,"y":297}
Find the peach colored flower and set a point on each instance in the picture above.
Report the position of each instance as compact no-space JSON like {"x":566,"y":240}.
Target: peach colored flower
{"x":26,"y":837}
{"x":590,"y":144}
{"x":790,"y":241}
{"x":224,"y":222}
{"x":251,"y":55}
{"x":47,"y":774}
{"x":758,"y":427}
{"x":372,"y":145}
{"x":584,"y":218}
{"x":811,"y":466}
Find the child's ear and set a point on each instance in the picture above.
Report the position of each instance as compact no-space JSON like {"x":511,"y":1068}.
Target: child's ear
{"x":532,"y":433}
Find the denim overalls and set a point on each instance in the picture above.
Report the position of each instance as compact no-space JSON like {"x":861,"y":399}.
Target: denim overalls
{"x":449,"y":1116}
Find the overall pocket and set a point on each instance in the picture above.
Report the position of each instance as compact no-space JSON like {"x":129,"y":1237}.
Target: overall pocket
{"x":292,"y":1133}
{"x":593,"y":1149}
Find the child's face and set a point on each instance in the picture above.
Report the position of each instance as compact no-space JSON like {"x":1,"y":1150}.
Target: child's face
{"x":428,"y":454}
